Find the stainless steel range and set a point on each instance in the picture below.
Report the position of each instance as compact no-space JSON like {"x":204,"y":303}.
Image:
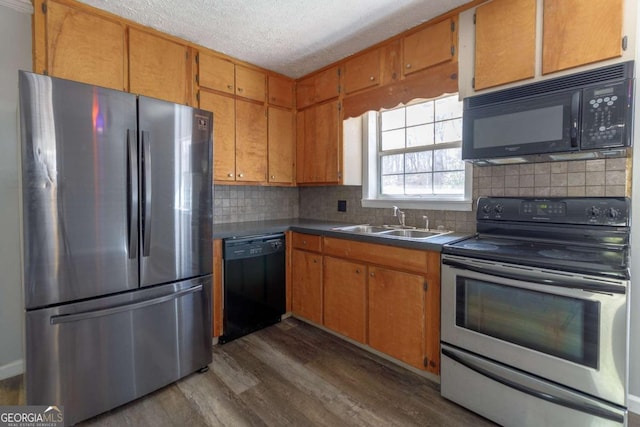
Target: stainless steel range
{"x":535,"y":312}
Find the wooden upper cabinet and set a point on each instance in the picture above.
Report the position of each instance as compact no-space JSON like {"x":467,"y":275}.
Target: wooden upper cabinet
{"x":362,"y":71}
{"x":281,"y":145}
{"x":397,"y":304}
{"x":505,"y":42}
{"x":318,"y":144}
{"x":224,"y":128}
{"x":318,"y":87}
{"x":280,"y":91}
{"x":578,"y":32}
{"x":251,"y":141}
{"x":157,"y":67}
{"x":430,"y":46}
{"x":250,"y":83}
{"x":216,"y":73}
{"x":345,"y":298}
{"x":84,"y":47}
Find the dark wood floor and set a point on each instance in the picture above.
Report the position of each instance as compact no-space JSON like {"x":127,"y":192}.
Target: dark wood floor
{"x":290,"y":374}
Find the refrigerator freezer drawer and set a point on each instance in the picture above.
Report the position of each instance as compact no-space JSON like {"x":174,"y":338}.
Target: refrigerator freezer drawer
{"x":93,"y":356}
{"x":513,"y":398}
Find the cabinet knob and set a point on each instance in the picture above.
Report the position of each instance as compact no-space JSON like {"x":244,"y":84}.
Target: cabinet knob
{"x":304,"y":242}
{"x":230,"y":175}
{"x":372,"y":78}
{"x":240,"y":175}
{"x":315,"y":261}
{"x":357,"y":271}
{"x":408,"y":65}
{"x":273,"y":177}
{"x":373,"y":274}
{"x":229,"y":87}
{"x":240,"y":89}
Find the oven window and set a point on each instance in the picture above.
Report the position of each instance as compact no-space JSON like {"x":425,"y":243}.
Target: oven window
{"x":557,"y":325}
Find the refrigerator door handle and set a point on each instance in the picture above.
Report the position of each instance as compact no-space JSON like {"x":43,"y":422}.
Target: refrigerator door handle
{"x":146,"y":188}
{"x":76,"y":317}
{"x":132,"y":190}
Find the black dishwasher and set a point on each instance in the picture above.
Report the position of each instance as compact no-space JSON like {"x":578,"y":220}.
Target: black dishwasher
{"x":254,"y":284}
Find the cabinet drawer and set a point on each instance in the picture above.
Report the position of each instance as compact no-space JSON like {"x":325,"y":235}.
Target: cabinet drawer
{"x":308,"y":242}
{"x":401,"y":258}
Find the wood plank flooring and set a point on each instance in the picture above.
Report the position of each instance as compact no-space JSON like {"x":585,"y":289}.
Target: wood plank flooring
{"x":290,"y":374}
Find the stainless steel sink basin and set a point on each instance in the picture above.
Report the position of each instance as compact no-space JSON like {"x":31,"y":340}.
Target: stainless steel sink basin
{"x":364,"y":228}
{"x":414,"y":234}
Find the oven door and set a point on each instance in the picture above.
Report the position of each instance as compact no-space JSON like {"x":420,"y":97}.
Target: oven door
{"x":567,"y":328}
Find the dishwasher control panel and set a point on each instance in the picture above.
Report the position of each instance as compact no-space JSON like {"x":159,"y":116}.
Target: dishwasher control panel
{"x":251,"y":246}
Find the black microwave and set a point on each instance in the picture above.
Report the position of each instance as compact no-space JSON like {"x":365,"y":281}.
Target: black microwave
{"x":580,"y":116}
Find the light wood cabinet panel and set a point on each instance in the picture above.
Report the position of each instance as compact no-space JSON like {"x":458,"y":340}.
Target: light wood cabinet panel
{"x":307,"y":242}
{"x":280,"y":91}
{"x":251,"y":142}
{"x":224,"y":138}
{"x":401,"y":258}
{"x":362,"y":71}
{"x":578,"y":32}
{"x":250,"y":83}
{"x":429,"y":46}
{"x":281,"y":146}
{"x":305,"y":92}
{"x":85,"y":47}
{"x":318,"y":144}
{"x":327,"y":84}
{"x":396,"y":311}
{"x":216,"y":73}
{"x":157,"y":67}
{"x":306,"y":286}
{"x":217,"y":295}
{"x":505,"y":42}
{"x":345,"y":298}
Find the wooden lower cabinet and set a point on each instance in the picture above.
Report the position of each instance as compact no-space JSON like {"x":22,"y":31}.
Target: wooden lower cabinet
{"x":306,"y":286}
{"x":397,"y":302}
{"x":345,"y":298}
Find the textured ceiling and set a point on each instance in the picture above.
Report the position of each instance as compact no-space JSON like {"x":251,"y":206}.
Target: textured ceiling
{"x":292,"y":37}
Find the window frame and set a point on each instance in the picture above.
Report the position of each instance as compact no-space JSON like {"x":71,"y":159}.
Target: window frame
{"x":371,"y":179}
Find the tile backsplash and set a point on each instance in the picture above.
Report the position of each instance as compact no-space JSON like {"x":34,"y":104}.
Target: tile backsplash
{"x":591,"y":178}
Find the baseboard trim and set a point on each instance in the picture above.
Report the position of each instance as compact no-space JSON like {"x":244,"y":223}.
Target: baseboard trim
{"x":634,"y":404}
{"x":11,"y":369}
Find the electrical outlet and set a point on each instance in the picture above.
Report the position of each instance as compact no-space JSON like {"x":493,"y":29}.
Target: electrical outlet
{"x":342,"y":205}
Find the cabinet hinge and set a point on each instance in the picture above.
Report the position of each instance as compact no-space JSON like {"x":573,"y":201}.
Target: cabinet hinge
{"x":44,"y":7}
{"x":473,"y":82}
{"x":339,"y":106}
{"x":425,"y":285}
{"x":625,"y":43}
{"x":186,"y":55}
{"x":198,"y":96}
{"x":453,"y":27}
{"x":339,"y":71}
{"x":339,"y":88}
{"x":197,"y":78}
{"x":197,"y":58}
{"x":453,"y":50}
{"x":474,"y":19}
{"x":425,"y":362}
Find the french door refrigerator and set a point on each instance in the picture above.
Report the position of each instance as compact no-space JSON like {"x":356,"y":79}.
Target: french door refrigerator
{"x":117,"y":243}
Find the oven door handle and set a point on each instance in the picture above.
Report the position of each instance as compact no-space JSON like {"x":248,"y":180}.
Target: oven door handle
{"x":564,"y":283}
{"x":536,"y":389}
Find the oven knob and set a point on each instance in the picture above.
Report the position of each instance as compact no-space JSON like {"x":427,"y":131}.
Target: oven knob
{"x":486,"y":209}
{"x":499,"y":209}
{"x":613,"y":213}
{"x":593,"y":211}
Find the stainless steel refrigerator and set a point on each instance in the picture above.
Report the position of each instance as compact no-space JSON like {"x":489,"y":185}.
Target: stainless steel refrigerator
{"x":117,"y":243}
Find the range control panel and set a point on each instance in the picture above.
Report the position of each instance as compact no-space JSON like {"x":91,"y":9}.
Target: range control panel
{"x":568,"y":210}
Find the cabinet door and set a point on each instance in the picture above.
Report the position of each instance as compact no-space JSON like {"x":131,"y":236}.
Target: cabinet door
{"x":224,"y":138}
{"x":305,"y":92}
{"x":216,"y":73}
{"x":280,"y":91}
{"x":157,"y":67}
{"x":345,"y":298}
{"x":327,"y":84}
{"x":362,"y":72}
{"x":306,"y":286}
{"x":85,"y":47}
{"x":250,"y":83}
{"x":427,"y":47}
{"x":578,"y":32}
{"x":280,"y":145}
{"x":397,"y":314}
{"x":251,"y":142}
{"x":318,"y":133}
{"x":505,"y":42}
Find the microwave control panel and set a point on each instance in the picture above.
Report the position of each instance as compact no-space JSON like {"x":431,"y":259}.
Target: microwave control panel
{"x":605,"y":111}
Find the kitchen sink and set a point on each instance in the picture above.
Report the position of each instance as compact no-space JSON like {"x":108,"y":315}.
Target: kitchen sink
{"x":364,"y":228}
{"x":414,"y":234}
{"x":392,"y":231}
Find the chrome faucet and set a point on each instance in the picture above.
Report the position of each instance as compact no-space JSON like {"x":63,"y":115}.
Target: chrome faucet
{"x":426,"y":222}
{"x":400,"y":215}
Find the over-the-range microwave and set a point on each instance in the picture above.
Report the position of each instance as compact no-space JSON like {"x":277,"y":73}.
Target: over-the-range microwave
{"x":585,"y":115}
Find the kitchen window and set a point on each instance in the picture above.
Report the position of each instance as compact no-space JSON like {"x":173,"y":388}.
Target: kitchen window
{"x":413,"y":157}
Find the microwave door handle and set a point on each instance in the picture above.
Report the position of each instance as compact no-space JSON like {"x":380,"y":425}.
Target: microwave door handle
{"x":574,"y":116}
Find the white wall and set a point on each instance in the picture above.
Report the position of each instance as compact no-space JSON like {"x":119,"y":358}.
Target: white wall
{"x":15,"y":54}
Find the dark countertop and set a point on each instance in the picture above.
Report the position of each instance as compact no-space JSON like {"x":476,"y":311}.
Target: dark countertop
{"x":325,"y":228}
